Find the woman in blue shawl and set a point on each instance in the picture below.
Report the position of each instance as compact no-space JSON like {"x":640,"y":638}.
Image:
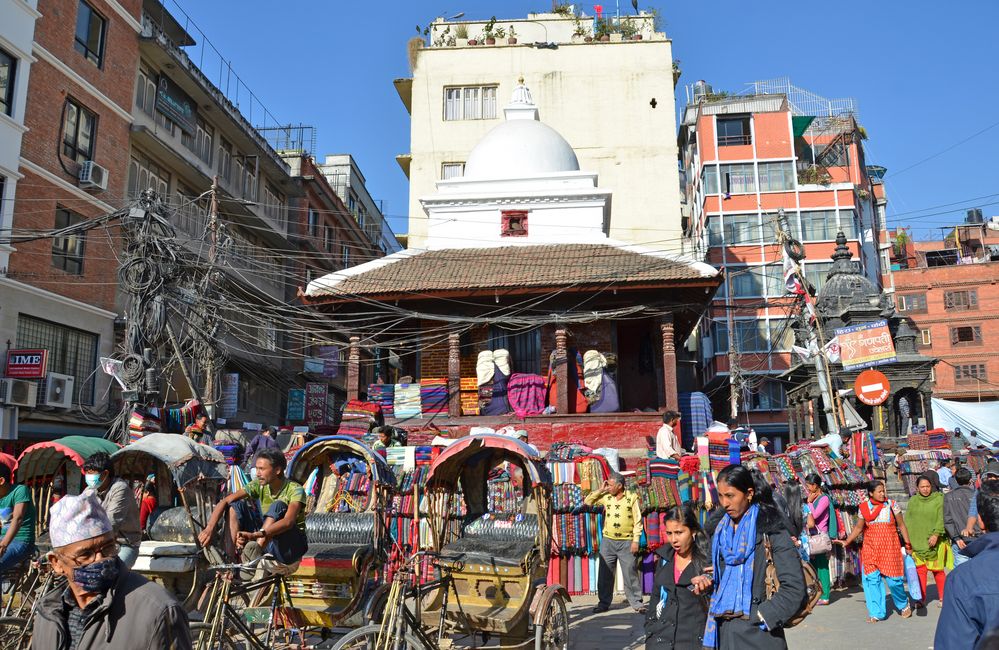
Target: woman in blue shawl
{"x":740,"y":615}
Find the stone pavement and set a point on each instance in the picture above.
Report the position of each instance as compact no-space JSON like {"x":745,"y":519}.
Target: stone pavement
{"x":828,"y":628}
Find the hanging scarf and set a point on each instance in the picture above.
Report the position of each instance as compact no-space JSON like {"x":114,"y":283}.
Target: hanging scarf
{"x":734,"y":596}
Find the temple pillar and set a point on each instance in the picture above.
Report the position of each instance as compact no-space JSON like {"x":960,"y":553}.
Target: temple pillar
{"x":670,"y":398}
{"x":561,"y":372}
{"x":354,"y":368}
{"x":453,"y":375}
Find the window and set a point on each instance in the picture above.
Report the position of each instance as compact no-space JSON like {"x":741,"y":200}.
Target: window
{"x":524,"y":348}
{"x":67,"y":250}
{"x":816,"y":272}
{"x":774,"y":274}
{"x":719,"y":336}
{"x":71,"y":352}
{"x":734,"y":130}
{"x":709,"y":179}
{"x":345,"y":255}
{"x":835,"y":154}
{"x":966,"y":335}
{"x":328,"y":239}
{"x":924,"y":337}
{"x":961,"y":300}
{"x":969,"y":373}
{"x":751,"y":336}
{"x":313,"y":223}
{"x":819,"y":225}
{"x":767,"y":395}
{"x":8,"y":66}
{"x":191,"y":213}
{"x":78,"y":132}
{"x":848,"y":223}
{"x":451,"y":170}
{"x":914,"y":303}
{"x":144,"y":175}
{"x":470,"y":103}
{"x":267,"y":335}
{"x":514,"y":223}
{"x":200,"y":142}
{"x":225,"y":160}
{"x":715,"y":235}
{"x":90,"y":27}
{"x":274,"y":206}
{"x":781,"y":334}
{"x":145,"y":100}
{"x":745,"y":282}
{"x":738,"y":179}
{"x":777,"y":176}
{"x":741,"y":229}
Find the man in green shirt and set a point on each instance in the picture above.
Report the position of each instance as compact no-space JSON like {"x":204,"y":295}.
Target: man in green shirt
{"x":17,"y":518}
{"x":280,"y":532}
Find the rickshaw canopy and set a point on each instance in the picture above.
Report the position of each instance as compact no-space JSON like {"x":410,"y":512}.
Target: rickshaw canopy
{"x":185,"y":459}
{"x":462,"y":454}
{"x":304,"y":459}
{"x":44,"y":458}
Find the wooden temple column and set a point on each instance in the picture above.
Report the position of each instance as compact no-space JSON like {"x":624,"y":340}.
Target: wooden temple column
{"x":792,"y":423}
{"x":561,"y":372}
{"x":670,"y":397}
{"x":354,"y":368}
{"x":454,"y":375}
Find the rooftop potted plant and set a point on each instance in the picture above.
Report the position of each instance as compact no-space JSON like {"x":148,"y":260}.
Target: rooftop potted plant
{"x":489,"y":33}
{"x":461,"y":35}
{"x":603,"y":30}
{"x":512,"y":38}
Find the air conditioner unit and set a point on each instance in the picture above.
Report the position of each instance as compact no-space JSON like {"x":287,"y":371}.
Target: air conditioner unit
{"x":57,"y":391}
{"x":18,"y":392}
{"x":93,"y":175}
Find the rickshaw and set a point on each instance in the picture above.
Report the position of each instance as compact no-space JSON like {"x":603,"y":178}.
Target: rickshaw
{"x":491,"y":566}
{"x":189,"y":480}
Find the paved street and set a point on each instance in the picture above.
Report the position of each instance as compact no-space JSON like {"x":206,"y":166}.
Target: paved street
{"x":826,"y":629}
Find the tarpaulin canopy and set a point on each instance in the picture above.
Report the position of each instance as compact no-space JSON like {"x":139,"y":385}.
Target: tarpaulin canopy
{"x":185,"y":459}
{"x":968,"y":416}
{"x":464,"y":453}
{"x":304,"y":460}
{"x":43,"y":459}
{"x":800,"y":124}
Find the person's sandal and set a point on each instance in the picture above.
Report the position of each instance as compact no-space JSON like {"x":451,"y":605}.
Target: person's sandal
{"x":871,"y":619}
{"x":907,"y":612}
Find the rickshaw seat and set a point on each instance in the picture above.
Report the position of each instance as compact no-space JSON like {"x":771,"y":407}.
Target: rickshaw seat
{"x":152,"y":548}
{"x":347,"y":528}
{"x":503,"y":539}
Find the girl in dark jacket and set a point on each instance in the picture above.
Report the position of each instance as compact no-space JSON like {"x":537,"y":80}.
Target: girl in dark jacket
{"x":740,"y":615}
{"x":678,"y":605}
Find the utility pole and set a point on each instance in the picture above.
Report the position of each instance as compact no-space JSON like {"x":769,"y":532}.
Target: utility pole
{"x":734,"y":367}
{"x":796,"y":252}
{"x":213,"y":235}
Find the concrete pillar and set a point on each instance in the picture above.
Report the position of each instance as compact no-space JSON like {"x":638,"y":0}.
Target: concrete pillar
{"x":454,"y":375}
{"x":561,"y":372}
{"x":670,"y":398}
{"x":354,"y":368}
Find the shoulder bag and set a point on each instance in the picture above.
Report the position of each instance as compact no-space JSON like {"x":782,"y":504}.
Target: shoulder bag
{"x":813,"y":588}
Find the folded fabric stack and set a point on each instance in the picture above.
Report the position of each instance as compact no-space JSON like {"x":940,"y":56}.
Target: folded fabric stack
{"x":663,"y":468}
{"x":358,"y":418}
{"x":719,"y":452}
{"x":433,"y":396}
{"x":690,"y":464}
{"x":407,"y":401}
{"x":469,"y":393}
{"x":425,"y":454}
{"x":396,"y":457}
{"x":642,"y":471}
{"x":233,"y":453}
{"x":661,"y":494}
{"x":938,"y":439}
{"x":919,"y":441}
{"x":384,"y":396}
{"x":143,"y":422}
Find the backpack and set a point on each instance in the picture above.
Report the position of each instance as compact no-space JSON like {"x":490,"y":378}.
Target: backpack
{"x":813,"y":588}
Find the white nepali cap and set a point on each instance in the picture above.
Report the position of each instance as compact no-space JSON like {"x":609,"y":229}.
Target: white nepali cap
{"x":77,"y":518}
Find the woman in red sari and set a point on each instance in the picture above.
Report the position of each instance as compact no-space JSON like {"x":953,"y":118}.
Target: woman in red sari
{"x":881,"y":553}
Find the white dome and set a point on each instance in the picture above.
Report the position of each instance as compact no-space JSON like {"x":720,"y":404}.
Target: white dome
{"x":518,"y":148}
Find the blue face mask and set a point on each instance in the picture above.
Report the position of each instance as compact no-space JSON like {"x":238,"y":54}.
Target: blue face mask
{"x":97,"y":577}
{"x":93,"y":480}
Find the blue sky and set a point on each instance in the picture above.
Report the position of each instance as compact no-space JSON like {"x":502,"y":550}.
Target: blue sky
{"x":919,"y":71}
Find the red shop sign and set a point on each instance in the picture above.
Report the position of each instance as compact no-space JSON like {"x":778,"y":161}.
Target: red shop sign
{"x":27,"y":364}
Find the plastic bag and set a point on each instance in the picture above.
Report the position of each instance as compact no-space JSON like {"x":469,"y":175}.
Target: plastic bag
{"x":912,"y":577}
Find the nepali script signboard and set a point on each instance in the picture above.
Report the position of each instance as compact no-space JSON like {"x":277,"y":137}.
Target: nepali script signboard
{"x":865,"y":345}
{"x":315,"y":404}
{"x":296,"y":404}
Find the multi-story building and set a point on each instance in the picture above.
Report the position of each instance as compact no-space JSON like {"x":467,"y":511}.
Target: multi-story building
{"x":611,"y":99}
{"x":58,"y":294}
{"x":348,"y":182}
{"x":951,"y":295}
{"x":745,"y":158}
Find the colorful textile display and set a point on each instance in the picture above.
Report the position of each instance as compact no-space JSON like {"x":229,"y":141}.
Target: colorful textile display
{"x":433,"y":396}
{"x":384,"y":396}
{"x":176,"y":420}
{"x":407,"y":401}
{"x":695,"y":412}
{"x":526,"y":394}
{"x":359,"y":418}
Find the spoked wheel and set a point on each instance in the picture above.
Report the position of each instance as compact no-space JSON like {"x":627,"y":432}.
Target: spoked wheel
{"x":366,"y":638}
{"x":201,"y":633}
{"x":552,"y":633}
{"x":15,"y":633}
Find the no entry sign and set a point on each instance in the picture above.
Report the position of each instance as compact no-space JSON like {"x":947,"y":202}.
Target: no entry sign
{"x":872,"y":387}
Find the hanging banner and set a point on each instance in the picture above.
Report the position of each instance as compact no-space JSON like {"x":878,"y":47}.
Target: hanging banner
{"x":865,"y":345}
{"x":296,"y":405}
{"x":230,"y":395}
{"x":176,"y":105}
{"x":330,"y":354}
{"x":315,"y":404}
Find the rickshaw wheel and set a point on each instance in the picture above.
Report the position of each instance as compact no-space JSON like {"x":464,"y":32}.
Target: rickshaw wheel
{"x":10,"y":631}
{"x":365,"y":638}
{"x":553,"y":631}
{"x":225,"y":642}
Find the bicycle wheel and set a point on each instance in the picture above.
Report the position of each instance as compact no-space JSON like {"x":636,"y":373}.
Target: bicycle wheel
{"x":15,"y":633}
{"x":365,"y":638}
{"x":224,"y":642}
{"x":552,"y":633}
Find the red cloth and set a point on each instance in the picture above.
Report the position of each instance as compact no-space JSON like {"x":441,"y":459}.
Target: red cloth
{"x":881,"y":549}
{"x":145,"y":509}
{"x":939,"y":577}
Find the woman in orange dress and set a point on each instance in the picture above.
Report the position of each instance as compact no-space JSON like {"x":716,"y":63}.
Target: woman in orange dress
{"x":881,"y":553}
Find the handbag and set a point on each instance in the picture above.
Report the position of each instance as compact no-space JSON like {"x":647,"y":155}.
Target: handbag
{"x":819,"y":543}
{"x":813,"y":588}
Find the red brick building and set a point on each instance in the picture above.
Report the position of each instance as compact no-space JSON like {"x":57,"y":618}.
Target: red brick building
{"x":951,"y":294}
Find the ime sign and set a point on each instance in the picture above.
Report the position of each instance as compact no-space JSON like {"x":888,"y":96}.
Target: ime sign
{"x":27,"y":364}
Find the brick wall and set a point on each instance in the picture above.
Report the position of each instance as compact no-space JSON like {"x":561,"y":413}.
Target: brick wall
{"x":934,"y":283}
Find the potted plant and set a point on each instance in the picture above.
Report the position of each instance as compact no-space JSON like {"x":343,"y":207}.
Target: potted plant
{"x":500,"y":33}
{"x":488,"y":32}
{"x":863,"y":194}
{"x":512,"y":39}
{"x":461,"y":35}
{"x":603,"y":30}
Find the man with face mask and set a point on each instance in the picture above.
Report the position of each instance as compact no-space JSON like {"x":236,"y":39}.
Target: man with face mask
{"x":118,"y":500}
{"x":105,"y":605}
